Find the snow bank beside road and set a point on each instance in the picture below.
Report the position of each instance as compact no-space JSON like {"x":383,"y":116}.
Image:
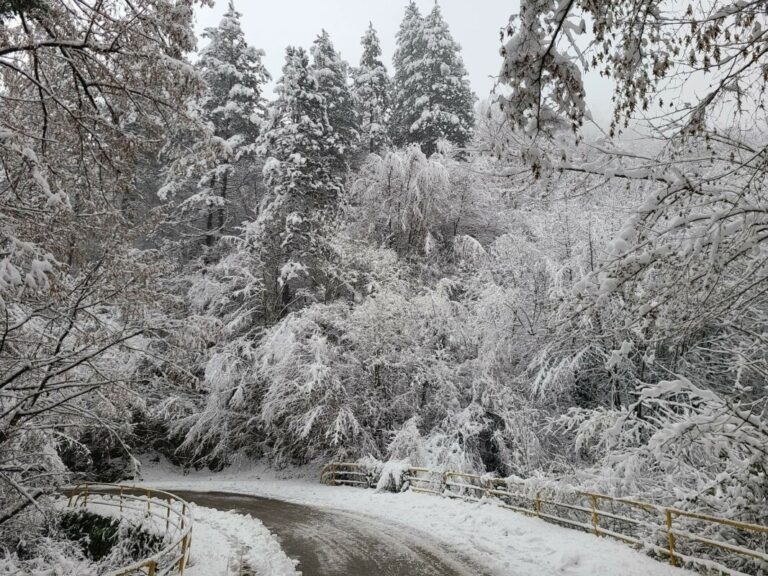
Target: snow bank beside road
{"x":223,"y":542}
{"x":507,"y":543}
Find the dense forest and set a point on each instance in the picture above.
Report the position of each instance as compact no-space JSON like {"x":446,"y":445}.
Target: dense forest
{"x":378,"y":263}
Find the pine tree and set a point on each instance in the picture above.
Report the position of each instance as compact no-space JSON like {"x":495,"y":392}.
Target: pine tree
{"x":331,"y":73}
{"x":235,"y":75}
{"x":433,"y":96}
{"x":407,"y":86}
{"x":371,"y":91}
{"x":215,"y":179}
{"x":234,"y":108}
{"x":303,"y":153}
{"x":450,"y":113}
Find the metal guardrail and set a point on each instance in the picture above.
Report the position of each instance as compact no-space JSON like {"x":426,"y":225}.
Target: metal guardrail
{"x":675,"y":534}
{"x":165,"y":508}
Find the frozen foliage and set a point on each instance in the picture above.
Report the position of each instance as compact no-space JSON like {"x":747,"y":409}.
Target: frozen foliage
{"x":343,"y":378}
{"x":413,"y":204}
{"x":79,"y":541}
{"x":545,"y":84}
{"x":659,"y":346}
{"x":304,"y":152}
{"x":331,"y":73}
{"x":681,"y":450}
{"x":432,"y":98}
{"x":214,"y":181}
{"x":501,"y":295}
{"x":371,"y":90}
{"x":544,"y":57}
{"x":234,"y":75}
{"x":87,"y":92}
{"x":66,"y":556}
{"x":391,"y":476}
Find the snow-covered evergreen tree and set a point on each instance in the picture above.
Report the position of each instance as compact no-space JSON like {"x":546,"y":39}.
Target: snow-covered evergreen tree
{"x":448,"y":113}
{"x":331,"y":74}
{"x":372,"y":94}
{"x":433,"y":99}
{"x":407,"y":86}
{"x":235,"y":76}
{"x":233,"y":110}
{"x":304,"y":153}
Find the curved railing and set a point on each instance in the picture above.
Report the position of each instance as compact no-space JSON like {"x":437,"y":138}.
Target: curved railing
{"x":168,"y":511}
{"x":680,"y":536}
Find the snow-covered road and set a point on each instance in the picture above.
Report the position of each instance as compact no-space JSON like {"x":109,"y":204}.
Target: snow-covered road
{"x":325,"y":526}
{"x":334,"y":543}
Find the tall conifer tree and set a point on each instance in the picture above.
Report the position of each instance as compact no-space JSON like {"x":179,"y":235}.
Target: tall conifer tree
{"x":372,"y":94}
{"x":218,"y":171}
{"x":234,"y":107}
{"x":407,"y":87}
{"x":303,"y":153}
{"x":448,"y":112}
{"x":433,"y":100}
{"x":331,"y":74}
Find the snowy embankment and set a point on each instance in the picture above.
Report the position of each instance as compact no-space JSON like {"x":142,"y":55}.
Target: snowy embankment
{"x":502,"y":541}
{"x":226,"y":544}
{"x":223,"y":544}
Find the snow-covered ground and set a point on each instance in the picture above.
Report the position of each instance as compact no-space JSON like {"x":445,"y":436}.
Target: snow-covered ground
{"x":224,"y":542}
{"x":502,"y":541}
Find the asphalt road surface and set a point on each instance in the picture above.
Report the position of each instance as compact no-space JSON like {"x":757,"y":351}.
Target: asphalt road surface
{"x":334,"y":543}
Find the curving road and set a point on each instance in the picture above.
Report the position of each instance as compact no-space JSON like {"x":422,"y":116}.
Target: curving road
{"x":333,"y":543}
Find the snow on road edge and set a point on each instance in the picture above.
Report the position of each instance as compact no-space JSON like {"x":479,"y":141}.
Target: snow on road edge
{"x":222,"y":541}
{"x":507,"y":543}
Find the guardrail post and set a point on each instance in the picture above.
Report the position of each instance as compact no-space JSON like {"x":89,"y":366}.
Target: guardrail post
{"x":595,"y":517}
{"x":151,"y":568}
{"x":444,"y":482}
{"x":537,"y":504}
{"x":121,"y":499}
{"x":168,"y":514}
{"x":670,"y":537}
{"x":149,"y":501}
{"x":182,"y":560}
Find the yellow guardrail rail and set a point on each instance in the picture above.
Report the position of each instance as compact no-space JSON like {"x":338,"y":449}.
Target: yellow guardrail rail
{"x":164,"y":508}
{"x":675,"y":534}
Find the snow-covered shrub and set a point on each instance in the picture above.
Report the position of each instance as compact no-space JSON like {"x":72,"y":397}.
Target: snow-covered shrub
{"x":681,"y":445}
{"x":415,"y":205}
{"x":44,"y":554}
{"x":77,"y":542}
{"x":391,"y":477}
{"x":310,"y":405}
{"x":397,"y":373}
{"x":372,"y":467}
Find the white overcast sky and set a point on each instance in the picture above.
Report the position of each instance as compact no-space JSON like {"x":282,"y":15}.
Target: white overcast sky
{"x":274,"y":24}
